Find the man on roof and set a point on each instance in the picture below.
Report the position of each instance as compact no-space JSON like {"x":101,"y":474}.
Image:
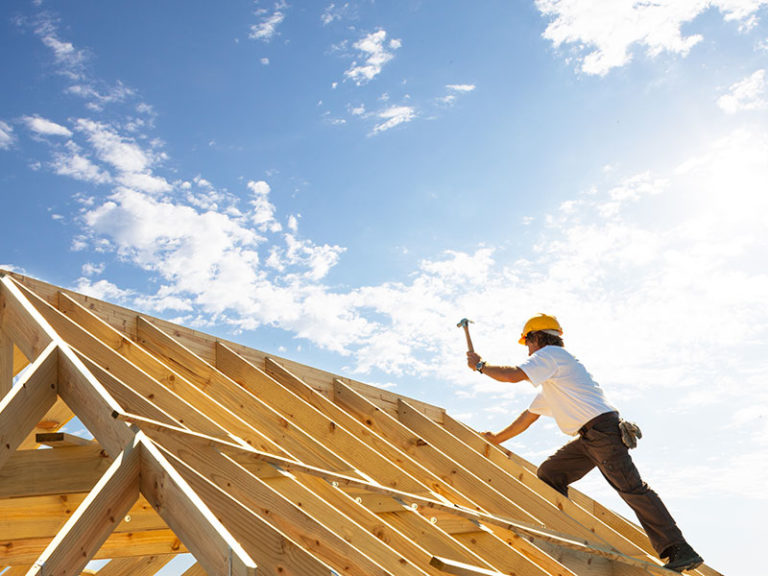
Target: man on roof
{"x":569,"y":394}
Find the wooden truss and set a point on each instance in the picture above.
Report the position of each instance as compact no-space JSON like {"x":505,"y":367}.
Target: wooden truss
{"x":255,"y":464}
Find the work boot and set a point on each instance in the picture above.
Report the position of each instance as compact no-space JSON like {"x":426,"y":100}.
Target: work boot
{"x":681,"y":557}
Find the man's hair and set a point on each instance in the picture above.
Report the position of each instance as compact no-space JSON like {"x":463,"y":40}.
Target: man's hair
{"x":545,"y":339}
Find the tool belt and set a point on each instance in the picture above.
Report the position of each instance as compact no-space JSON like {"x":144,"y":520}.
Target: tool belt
{"x":630,"y":432}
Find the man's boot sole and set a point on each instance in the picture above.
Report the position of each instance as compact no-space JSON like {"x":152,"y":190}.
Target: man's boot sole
{"x":690,"y":566}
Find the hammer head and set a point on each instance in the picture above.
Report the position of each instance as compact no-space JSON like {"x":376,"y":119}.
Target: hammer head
{"x":463,"y":323}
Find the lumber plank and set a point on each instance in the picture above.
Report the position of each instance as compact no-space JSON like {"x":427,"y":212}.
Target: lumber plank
{"x":118,"y":545}
{"x":62,"y":440}
{"x":95,"y":519}
{"x":322,"y":428}
{"x":46,"y":472}
{"x":515,"y":533}
{"x":195,"y":570}
{"x":322,"y":381}
{"x":461,"y":568}
{"x":6,"y":363}
{"x":123,"y":320}
{"x":126,"y":396}
{"x":121,"y":365}
{"x":44,"y":516}
{"x":19,"y":361}
{"x":356,"y":511}
{"x":452,"y":473}
{"x":509,"y":556}
{"x":456,"y":474}
{"x":16,"y":571}
{"x":277,"y":553}
{"x":363,"y":432}
{"x":237,"y":399}
{"x":138,"y":566}
{"x":27,"y":402}
{"x":92,"y":404}
{"x":21,"y":322}
{"x":54,"y":419}
{"x":189,"y":517}
{"x":295,"y":512}
{"x":436,"y":541}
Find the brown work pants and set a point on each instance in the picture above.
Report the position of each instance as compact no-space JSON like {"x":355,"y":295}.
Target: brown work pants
{"x":599,"y":444}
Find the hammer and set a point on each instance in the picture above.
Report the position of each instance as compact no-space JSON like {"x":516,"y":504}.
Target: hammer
{"x":464,"y":323}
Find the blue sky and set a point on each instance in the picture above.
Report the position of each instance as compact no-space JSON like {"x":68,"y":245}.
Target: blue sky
{"x":340,"y":183}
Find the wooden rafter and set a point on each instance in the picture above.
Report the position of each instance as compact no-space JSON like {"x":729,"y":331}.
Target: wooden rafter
{"x":249,"y":461}
{"x":27,"y":402}
{"x":95,"y":519}
{"x":6,"y":363}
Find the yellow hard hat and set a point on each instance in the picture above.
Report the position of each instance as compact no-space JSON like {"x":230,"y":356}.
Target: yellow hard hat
{"x":541,"y":322}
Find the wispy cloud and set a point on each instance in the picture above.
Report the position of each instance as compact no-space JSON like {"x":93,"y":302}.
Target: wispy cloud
{"x":6,"y":136}
{"x":46,"y":127}
{"x":70,"y":60}
{"x":453,"y":90}
{"x":751,"y":93}
{"x":73,"y":162}
{"x":336,"y":12}
{"x":266,"y":28}
{"x":602,"y":33}
{"x":374,"y":51}
{"x":393,"y":116}
{"x":98,"y":99}
{"x":132,"y":162}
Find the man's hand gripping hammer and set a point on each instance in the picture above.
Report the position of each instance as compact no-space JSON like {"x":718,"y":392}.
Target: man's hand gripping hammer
{"x":464,"y":323}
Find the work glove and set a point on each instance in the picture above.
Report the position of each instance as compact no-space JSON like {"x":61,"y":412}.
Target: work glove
{"x":630,"y":433}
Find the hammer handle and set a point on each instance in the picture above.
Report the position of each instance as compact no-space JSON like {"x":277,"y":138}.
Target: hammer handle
{"x":469,"y":340}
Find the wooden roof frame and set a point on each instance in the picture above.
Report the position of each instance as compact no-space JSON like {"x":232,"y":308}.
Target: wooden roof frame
{"x":255,"y":464}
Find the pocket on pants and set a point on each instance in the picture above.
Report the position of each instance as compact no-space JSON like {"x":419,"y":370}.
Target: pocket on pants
{"x":613,"y":459}
{"x":622,"y":473}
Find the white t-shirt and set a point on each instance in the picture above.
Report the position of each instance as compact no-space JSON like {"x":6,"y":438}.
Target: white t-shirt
{"x":568,"y":392}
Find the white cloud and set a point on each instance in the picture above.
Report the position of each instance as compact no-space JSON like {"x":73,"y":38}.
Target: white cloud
{"x":330,"y":14}
{"x":460,"y":87}
{"x":70,"y":60}
{"x":210,"y":261}
{"x":144,"y":181}
{"x":46,"y":127}
{"x":91,"y":269}
{"x":603,"y":32}
{"x":263,"y":215}
{"x":748,"y":94}
{"x":103,"y":290}
{"x":71,"y":162}
{"x":123,"y":154}
{"x":133,"y":162}
{"x":266,"y":28}
{"x":97,"y":99}
{"x":335,"y":13}
{"x":375,"y":52}
{"x":394,"y":116}
{"x":454,"y":90}
{"x":6,"y":136}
